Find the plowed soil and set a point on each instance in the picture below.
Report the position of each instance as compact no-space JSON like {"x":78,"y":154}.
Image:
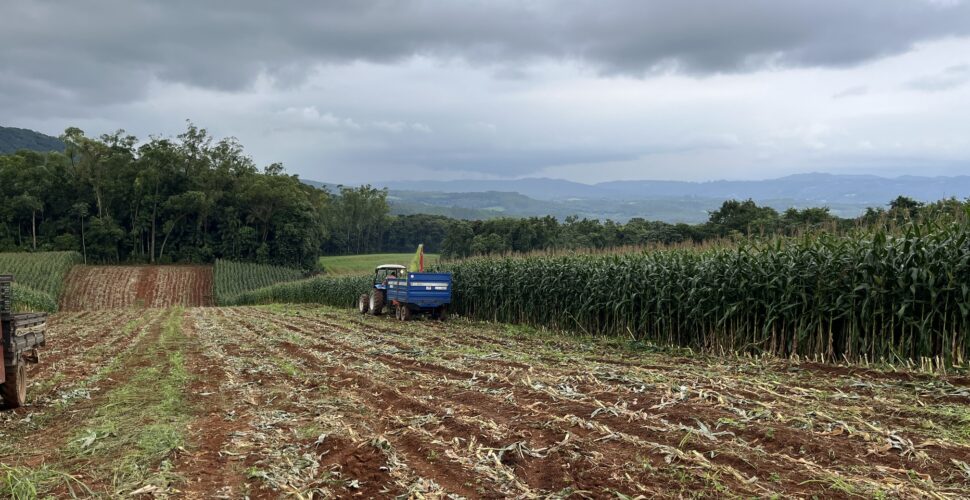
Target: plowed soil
{"x":91,"y":288}
{"x":288,"y":401}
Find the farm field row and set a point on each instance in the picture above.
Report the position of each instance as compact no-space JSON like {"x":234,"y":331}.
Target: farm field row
{"x":365,"y":264}
{"x":273,"y":400}
{"x":106,"y":287}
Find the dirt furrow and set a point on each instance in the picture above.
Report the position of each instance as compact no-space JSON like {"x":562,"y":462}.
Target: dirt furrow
{"x":685,"y":414}
{"x":412,"y":450}
{"x":119,"y":287}
{"x":264,"y":402}
{"x":529,"y":427}
{"x":53,"y":430}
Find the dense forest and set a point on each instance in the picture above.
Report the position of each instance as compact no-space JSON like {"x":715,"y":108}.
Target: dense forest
{"x":193,"y":198}
{"x":188,"y":199}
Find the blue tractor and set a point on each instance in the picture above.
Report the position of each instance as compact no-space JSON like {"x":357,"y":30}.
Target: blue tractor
{"x":407,"y":293}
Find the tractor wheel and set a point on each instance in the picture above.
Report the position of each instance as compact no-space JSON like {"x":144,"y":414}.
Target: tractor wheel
{"x":377,"y":302}
{"x":14,"y":389}
{"x":363,"y":303}
{"x":405,"y":313}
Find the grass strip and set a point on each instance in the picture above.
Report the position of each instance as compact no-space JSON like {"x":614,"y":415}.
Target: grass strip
{"x":127,"y":444}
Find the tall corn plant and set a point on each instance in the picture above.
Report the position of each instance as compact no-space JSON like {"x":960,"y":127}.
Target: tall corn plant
{"x":339,"y":291}
{"x":39,"y":277}
{"x":233,"y":278}
{"x":872,"y":296}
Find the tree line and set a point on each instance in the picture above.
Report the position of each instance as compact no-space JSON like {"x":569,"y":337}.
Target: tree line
{"x":194,"y":199}
{"x":734,"y":219}
{"x":187,"y":199}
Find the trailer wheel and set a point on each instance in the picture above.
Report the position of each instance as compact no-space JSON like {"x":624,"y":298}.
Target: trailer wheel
{"x":363,"y":302}
{"x":377,"y":302}
{"x":14,"y":389}
{"x":441,"y":313}
{"x":405,"y":313}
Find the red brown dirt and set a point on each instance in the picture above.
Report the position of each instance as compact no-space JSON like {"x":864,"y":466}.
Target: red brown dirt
{"x":488,"y":415}
{"x":203,"y":464}
{"x":65,"y":420}
{"x":542,"y":473}
{"x":115,"y":287}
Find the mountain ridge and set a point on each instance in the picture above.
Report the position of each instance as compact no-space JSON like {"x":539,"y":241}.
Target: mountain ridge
{"x":847,"y":195}
{"x":814,"y":186}
{"x":13,"y":139}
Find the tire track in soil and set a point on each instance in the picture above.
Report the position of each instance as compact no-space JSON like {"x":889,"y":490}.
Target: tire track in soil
{"x":537,"y":472}
{"x":67,"y":346}
{"x":49,"y":445}
{"x":525,"y":426}
{"x":208,"y":470}
{"x":411,"y":385}
{"x":261,"y":392}
{"x":779,"y":438}
{"x":70,"y":363}
{"x":414,"y":449}
{"x":788,"y":441}
{"x":125,"y":365}
{"x":529,"y":427}
{"x":364,"y":462}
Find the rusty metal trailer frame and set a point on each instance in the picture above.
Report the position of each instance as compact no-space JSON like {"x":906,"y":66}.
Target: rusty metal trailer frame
{"x":20,"y":336}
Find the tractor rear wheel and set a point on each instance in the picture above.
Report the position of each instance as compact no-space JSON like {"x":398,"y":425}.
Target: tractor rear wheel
{"x":377,"y":302}
{"x":14,"y":389}
{"x":363,"y":303}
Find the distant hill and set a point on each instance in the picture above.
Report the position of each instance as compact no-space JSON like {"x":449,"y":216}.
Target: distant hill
{"x":493,"y":204}
{"x":537,"y":188}
{"x":814,"y":187}
{"x":13,"y":139}
{"x":333,"y":188}
{"x":669,"y":201}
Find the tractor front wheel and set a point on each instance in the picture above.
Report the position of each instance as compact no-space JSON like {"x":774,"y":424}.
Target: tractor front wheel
{"x":377,"y":302}
{"x":363,"y":303}
{"x":14,"y":389}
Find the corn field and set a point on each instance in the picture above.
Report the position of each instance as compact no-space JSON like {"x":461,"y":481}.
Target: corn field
{"x":42,"y":271}
{"x":340,"y":291}
{"x":874,"y":297}
{"x":233,"y":278}
{"x":39,"y":277}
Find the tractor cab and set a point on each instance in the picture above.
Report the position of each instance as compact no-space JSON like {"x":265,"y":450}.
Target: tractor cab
{"x":386,"y":272}
{"x":408,"y":293}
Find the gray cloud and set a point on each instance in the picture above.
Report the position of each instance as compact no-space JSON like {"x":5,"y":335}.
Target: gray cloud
{"x":110,"y":50}
{"x":367,"y":90}
{"x":951,"y":77}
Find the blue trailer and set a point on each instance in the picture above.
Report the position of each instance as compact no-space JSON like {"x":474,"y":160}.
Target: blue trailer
{"x":407,"y":293}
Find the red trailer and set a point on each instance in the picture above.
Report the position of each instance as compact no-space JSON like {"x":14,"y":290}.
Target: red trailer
{"x":22,"y":334}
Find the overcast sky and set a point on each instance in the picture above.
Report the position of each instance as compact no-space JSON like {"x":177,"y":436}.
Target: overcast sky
{"x":364,"y":91}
